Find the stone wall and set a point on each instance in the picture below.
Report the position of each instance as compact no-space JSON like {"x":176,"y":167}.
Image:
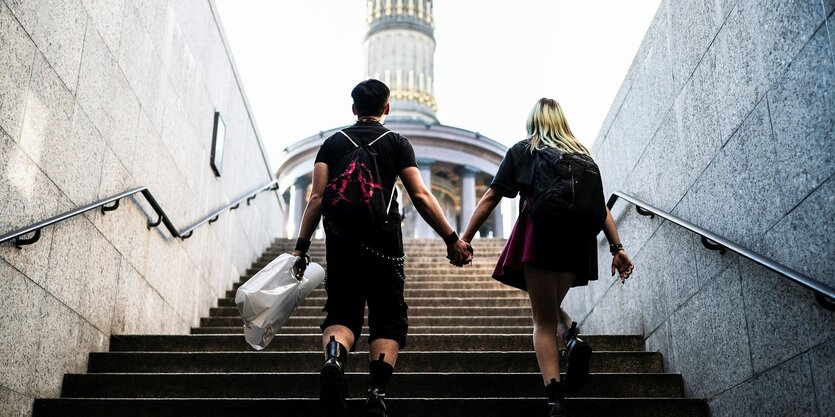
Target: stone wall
{"x":727,"y":119}
{"x":98,"y":97}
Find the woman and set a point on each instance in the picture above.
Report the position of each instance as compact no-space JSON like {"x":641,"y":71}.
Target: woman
{"x":548,"y":266}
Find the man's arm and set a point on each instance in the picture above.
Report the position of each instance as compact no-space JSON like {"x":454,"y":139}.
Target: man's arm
{"x":428,"y":208}
{"x":312,"y":215}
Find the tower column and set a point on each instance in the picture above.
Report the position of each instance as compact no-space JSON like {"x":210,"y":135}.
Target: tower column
{"x":498,"y":222}
{"x":467,"y":194}
{"x":422,"y":229}
{"x":298,"y":202}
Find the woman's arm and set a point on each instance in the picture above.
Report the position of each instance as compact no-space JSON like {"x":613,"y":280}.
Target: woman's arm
{"x":620,"y":260}
{"x":485,"y":206}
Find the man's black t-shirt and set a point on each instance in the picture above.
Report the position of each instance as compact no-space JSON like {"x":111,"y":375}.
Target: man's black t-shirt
{"x":394,"y":153}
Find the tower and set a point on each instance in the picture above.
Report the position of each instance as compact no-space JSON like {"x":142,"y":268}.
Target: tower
{"x":399,"y":50}
{"x":456,"y":164}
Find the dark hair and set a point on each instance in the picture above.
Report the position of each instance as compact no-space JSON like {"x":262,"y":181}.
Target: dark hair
{"x":370,"y":97}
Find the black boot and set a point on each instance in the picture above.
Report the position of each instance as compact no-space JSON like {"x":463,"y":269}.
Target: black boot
{"x":577,"y":356}
{"x":556,"y":399}
{"x":334,"y":389}
{"x":380,"y":375}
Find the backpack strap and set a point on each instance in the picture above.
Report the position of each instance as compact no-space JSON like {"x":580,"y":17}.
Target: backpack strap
{"x":379,"y":137}
{"x":370,"y":143}
{"x":391,"y":199}
{"x":349,"y":138}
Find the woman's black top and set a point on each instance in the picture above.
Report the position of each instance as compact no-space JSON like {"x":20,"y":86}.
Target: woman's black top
{"x":562,"y":252}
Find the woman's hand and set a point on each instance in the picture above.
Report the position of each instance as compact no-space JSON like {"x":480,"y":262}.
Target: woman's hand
{"x":622,"y":264}
{"x":302,"y":259}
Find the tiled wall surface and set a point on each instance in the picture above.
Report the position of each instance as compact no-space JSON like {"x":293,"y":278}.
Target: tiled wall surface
{"x":727,"y":120}
{"x":98,"y":97}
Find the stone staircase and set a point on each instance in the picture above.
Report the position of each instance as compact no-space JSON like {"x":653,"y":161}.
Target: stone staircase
{"x":470,"y":353}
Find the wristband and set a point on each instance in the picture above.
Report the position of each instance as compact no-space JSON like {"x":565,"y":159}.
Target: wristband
{"x":613,"y":248}
{"x":451,"y":238}
{"x":302,"y":245}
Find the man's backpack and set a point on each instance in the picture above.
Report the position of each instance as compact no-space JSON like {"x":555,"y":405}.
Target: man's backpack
{"x":568,"y":193}
{"x":353,"y":200}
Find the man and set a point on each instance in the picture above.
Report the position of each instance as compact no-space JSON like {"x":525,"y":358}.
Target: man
{"x":367,"y":265}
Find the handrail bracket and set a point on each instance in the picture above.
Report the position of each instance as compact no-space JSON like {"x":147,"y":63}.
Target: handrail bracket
{"x":156,"y":223}
{"x":644,"y":212}
{"x":106,"y":208}
{"x":713,"y":245}
{"x":21,"y":241}
{"x":825,"y":302}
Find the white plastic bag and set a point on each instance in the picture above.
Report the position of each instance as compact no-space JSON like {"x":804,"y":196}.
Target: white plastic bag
{"x":267,"y":299}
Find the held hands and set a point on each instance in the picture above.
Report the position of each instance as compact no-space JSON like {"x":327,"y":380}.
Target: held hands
{"x":459,"y":253}
{"x":622,"y":264}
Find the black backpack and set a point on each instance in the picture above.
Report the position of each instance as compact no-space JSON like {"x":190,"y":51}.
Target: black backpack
{"x":353,"y":200}
{"x":568,"y":193}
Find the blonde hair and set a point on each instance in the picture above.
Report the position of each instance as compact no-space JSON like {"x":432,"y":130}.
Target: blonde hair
{"x":547,"y":127}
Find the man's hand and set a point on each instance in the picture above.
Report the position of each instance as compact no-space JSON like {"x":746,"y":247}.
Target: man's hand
{"x":622,"y":264}
{"x":302,"y":259}
{"x":459,"y":253}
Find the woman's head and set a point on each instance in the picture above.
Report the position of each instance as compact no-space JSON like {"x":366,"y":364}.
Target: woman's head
{"x":547,"y":127}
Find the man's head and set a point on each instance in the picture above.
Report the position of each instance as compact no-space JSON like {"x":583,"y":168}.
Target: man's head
{"x":371,"y":98}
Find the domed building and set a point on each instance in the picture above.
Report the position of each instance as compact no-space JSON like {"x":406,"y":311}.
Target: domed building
{"x":457,"y":164}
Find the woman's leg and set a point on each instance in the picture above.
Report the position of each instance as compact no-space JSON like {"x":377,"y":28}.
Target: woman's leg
{"x":546,"y":290}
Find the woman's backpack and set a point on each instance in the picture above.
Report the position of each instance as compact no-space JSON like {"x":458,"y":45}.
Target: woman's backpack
{"x":353,"y":200}
{"x":568,"y":193}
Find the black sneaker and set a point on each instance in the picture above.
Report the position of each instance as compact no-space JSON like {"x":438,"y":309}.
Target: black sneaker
{"x":577,"y":356}
{"x":333,"y":390}
{"x":374,"y":405}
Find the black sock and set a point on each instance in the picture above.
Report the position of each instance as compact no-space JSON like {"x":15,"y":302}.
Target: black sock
{"x":380,"y":373}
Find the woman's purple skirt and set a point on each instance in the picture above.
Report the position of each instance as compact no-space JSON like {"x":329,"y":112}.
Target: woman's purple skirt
{"x":578,"y":256}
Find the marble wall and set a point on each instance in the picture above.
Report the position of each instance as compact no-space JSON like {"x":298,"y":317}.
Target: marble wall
{"x":98,"y":97}
{"x":726,"y":119}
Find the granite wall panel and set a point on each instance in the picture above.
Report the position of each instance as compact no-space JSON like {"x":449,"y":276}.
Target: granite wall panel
{"x":823,"y":376}
{"x":710,"y":338}
{"x":725,"y":119}
{"x":107,"y":17}
{"x":13,"y":404}
{"x":58,"y":29}
{"x":97,"y":98}
{"x":16,"y":59}
{"x":21,"y":301}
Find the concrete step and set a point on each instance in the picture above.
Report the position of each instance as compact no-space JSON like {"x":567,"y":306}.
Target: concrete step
{"x":424,"y":301}
{"x":412,"y":330}
{"x":413,"y":311}
{"x":426,"y":288}
{"x":312,"y":343}
{"x":400,"y":407}
{"x":306,"y":385}
{"x":437,"y":288}
{"x":213,"y":362}
{"x":420,"y":321}
{"x":453,"y":273}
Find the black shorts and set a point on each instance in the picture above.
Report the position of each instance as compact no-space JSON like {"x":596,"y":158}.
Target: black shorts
{"x":356,"y":277}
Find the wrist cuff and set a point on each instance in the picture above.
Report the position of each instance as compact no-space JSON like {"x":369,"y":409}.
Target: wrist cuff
{"x":614,"y":248}
{"x":451,"y":238}
{"x":302,"y":244}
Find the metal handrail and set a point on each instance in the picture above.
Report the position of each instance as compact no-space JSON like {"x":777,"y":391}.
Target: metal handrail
{"x":112,"y":203}
{"x":824,"y":294}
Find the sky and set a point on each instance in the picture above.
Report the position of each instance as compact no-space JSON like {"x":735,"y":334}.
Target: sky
{"x":299,"y":60}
